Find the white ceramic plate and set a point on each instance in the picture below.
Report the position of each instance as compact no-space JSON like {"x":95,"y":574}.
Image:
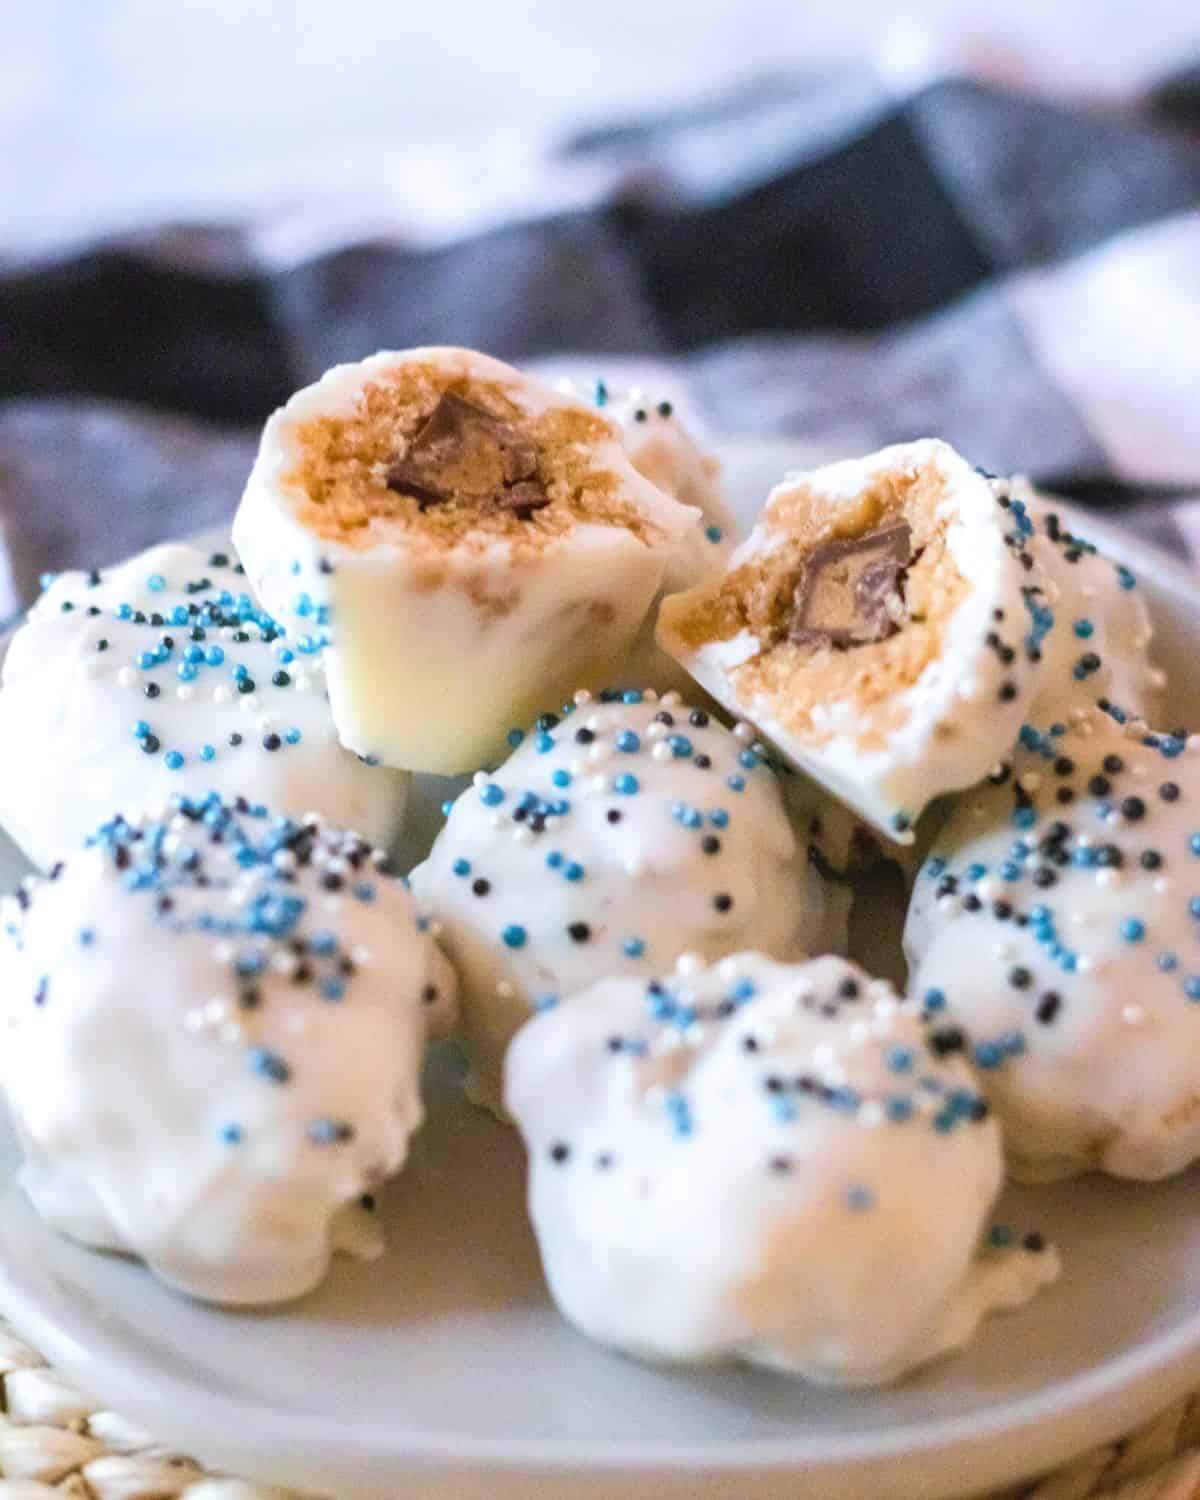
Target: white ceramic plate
{"x":444,"y":1371}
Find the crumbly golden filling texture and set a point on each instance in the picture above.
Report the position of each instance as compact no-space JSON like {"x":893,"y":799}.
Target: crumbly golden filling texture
{"x":523,"y":477}
{"x":797,"y":676}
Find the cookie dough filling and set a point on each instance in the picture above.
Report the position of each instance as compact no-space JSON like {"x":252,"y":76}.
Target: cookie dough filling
{"x":162,"y":677}
{"x":1053,"y":930}
{"x":620,"y":837}
{"x":776,"y":1163}
{"x":880,"y":625}
{"x":465,"y":544}
{"x":214,"y":1024}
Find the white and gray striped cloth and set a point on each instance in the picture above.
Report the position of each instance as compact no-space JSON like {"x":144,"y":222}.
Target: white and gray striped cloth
{"x":814,"y":256}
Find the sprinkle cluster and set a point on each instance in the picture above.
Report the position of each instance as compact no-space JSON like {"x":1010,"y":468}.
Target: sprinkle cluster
{"x":195,"y":638}
{"x":271,"y":896}
{"x":870,"y":1059}
{"x":1083,"y":862}
{"x":559,"y":855}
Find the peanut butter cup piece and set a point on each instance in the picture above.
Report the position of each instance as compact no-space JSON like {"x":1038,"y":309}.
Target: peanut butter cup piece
{"x":846,"y":591}
{"x":462,"y":452}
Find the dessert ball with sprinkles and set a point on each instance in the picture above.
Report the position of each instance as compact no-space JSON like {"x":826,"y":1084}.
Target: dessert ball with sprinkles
{"x":469,"y":544}
{"x":1095,"y":629}
{"x":878,"y":626}
{"x":159,"y":677}
{"x":767,"y":1162}
{"x":1054,"y":934}
{"x":214,"y":1022}
{"x":617,"y":837}
{"x":665,"y":451}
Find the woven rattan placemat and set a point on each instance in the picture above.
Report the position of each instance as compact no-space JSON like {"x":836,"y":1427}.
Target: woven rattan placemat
{"x":54,"y":1442}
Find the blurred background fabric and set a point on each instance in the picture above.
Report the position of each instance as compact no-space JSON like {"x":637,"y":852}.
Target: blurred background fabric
{"x":829,"y":223}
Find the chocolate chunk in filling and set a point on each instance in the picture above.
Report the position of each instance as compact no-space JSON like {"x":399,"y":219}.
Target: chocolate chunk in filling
{"x":462,"y":452}
{"x":850,"y":592}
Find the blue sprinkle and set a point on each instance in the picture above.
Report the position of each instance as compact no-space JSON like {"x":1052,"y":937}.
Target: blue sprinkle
{"x":860,"y":1198}
{"x":324,"y":944}
{"x":544,"y":743}
{"x":626,"y":784}
{"x":147,"y":659}
{"x":976,"y":872}
{"x":747,"y":758}
{"x":545,"y":1002}
{"x":713,"y":533}
{"x":736,"y":783}
{"x":935,"y":999}
{"x":1024,"y":817}
{"x":600,"y":395}
{"x":185,"y":672}
{"x":1000,"y":1236}
{"x":269,"y":1064}
{"x":719,"y":818}
{"x":989,"y":1054}
{"x":1010,"y":872}
{"x":898,"y":1108}
{"x":491,"y":795}
{"x":515,"y":737}
{"x":447,"y":809}
{"x":156,"y":583}
{"x":573,"y":872}
{"x":561,"y":778}
{"x":1167,"y":962}
{"x":631,"y":695}
{"x":900,"y":1059}
{"x":1191,"y":987}
{"x":86,"y":937}
{"x":173,"y":760}
{"x":214,"y":656}
{"x":628,"y":741}
{"x":633,"y":947}
{"x":1083,"y":629}
{"x":554,"y":859}
{"x":745,"y":989}
{"x":292,"y":736}
{"x":333,"y":988}
{"x":461,"y":867}
{"x":364,"y":892}
{"x":514,"y":936}
{"x":329,"y":1132}
{"x":1133,"y":930}
{"x":1125,"y":578}
{"x":141,"y":729}
{"x":207,"y":752}
{"x":231,"y":1134}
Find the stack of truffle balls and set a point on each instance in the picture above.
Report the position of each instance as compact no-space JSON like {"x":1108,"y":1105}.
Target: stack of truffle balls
{"x":680,"y":756}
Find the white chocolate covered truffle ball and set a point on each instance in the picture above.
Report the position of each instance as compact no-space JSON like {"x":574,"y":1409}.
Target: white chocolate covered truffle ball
{"x":470,"y":543}
{"x":1055,"y":925}
{"x":614,"y":840}
{"x":159,"y":677}
{"x":213,"y":1031}
{"x":878,"y":626}
{"x":763,"y":1161}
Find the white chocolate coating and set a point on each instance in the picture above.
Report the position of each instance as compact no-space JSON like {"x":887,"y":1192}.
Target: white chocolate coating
{"x":661,"y":448}
{"x":612,"y":842}
{"x":80,"y":739}
{"x":1056,"y":923}
{"x":208,"y":1076}
{"x":427,"y":673}
{"x":767,"y":1162}
{"x":962,"y":711}
{"x":1099,"y":644}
